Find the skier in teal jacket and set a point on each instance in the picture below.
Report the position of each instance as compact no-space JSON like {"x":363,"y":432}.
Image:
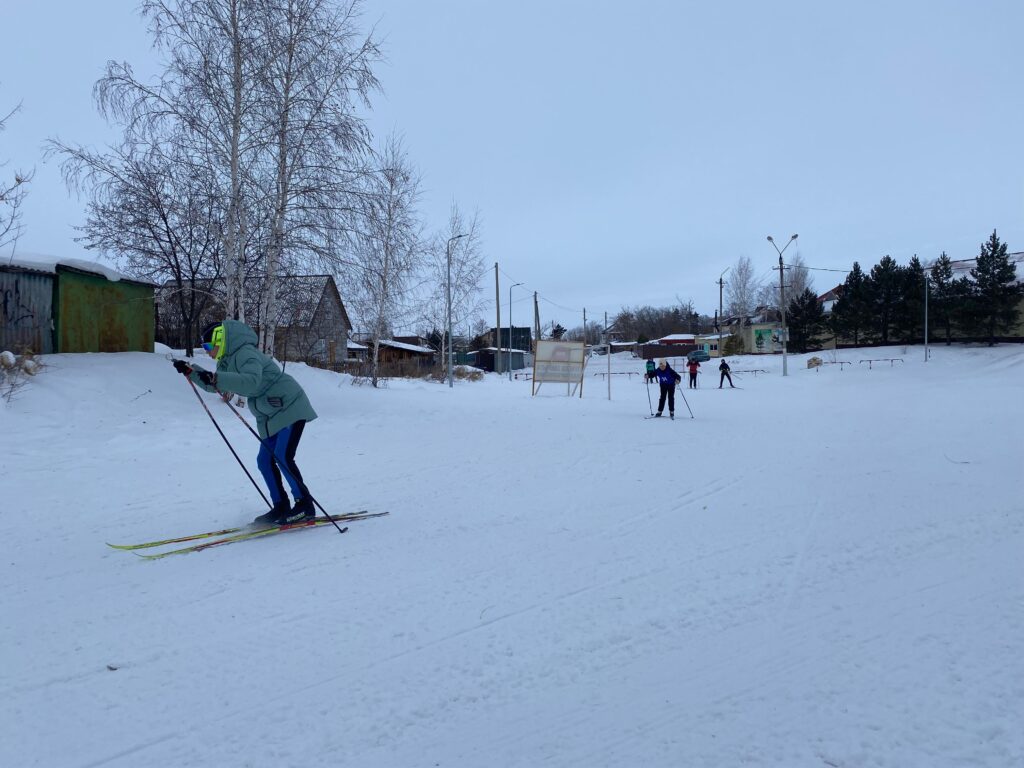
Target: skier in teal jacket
{"x":276,"y":400}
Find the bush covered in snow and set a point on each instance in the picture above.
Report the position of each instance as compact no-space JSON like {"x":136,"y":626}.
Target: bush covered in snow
{"x":13,"y":372}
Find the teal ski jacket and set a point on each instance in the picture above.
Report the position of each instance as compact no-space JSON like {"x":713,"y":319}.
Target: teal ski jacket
{"x":275,"y":398}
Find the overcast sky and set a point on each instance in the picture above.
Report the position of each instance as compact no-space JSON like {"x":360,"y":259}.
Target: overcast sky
{"x":628,"y":153}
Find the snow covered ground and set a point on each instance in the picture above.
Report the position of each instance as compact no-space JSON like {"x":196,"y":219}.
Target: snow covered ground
{"x":817,"y":570}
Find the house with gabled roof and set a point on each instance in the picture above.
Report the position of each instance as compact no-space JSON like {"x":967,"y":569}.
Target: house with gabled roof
{"x":312,"y":323}
{"x":828,"y":299}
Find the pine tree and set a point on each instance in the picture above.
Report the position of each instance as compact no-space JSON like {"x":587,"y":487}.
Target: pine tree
{"x":734,"y":345}
{"x":805,"y":319}
{"x":884,"y":292}
{"x":995,"y":290}
{"x":941,"y":294}
{"x":910,"y":306}
{"x":850,"y":315}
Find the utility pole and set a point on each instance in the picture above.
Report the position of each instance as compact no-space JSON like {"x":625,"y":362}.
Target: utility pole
{"x":510,"y":329}
{"x":608,"y":353}
{"x":536,"y":323}
{"x":718,"y":322}
{"x":926,"y":317}
{"x":782,"y":301}
{"x":497,"y":321}
{"x":782,"y":297}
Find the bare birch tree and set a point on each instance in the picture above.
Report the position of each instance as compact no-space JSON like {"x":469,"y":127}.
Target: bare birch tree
{"x":263,"y":94}
{"x":467,"y":271}
{"x":741,"y":289}
{"x":318,"y":70}
{"x":12,"y":194}
{"x":388,"y":248}
{"x":207,"y":97}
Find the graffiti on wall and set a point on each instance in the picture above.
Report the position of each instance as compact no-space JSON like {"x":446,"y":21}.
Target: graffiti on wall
{"x":15,"y":311}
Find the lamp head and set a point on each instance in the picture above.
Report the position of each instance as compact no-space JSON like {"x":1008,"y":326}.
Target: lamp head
{"x":794,"y":237}
{"x":770,"y":239}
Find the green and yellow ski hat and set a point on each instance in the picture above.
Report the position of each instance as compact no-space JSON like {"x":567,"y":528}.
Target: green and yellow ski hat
{"x":213,"y":338}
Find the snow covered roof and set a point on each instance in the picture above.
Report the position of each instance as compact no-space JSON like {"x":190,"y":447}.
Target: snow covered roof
{"x":674,"y":337}
{"x":44,"y":263}
{"x":407,"y":347}
{"x":356,"y":345}
{"x":832,"y":294}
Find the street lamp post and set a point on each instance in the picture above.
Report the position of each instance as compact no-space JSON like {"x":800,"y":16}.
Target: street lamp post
{"x":448,"y":293}
{"x":510,"y":329}
{"x":782,"y":297}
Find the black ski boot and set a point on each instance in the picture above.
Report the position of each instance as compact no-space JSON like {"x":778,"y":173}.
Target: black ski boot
{"x":280,"y":510}
{"x":302,"y":511}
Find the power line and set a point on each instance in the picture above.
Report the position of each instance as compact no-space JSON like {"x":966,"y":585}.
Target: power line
{"x":815,"y":269}
{"x":567,"y":309}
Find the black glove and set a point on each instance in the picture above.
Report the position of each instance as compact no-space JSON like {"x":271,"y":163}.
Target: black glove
{"x":182,"y":367}
{"x":207,"y":377}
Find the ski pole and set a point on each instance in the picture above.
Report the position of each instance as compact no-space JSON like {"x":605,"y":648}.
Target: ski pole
{"x":202,"y":403}
{"x":679,"y":387}
{"x":650,"y":406}
{"x":256,"y":435}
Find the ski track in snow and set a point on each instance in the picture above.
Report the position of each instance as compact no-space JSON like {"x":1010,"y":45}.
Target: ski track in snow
{"x":559,"y":582}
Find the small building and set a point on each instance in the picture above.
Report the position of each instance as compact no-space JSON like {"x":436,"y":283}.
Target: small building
{"x":758,"y":333}
{"x":356,"y":351}
{"x":416,"y":341}
{"x":712,"y":343}
{"x":521,"y":338}
{"x":493,"y":359}
{"x":673,"y":339}
{"x":71,"y":305}
{"x":400,"y":352}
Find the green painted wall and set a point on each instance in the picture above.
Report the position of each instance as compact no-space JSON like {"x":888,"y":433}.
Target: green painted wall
{"x":93,"y":314}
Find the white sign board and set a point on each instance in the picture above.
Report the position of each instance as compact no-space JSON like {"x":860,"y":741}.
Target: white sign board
{"x":558,"y":362}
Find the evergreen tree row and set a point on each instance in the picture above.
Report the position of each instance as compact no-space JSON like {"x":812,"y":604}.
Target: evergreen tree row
{"x":886,"y":305}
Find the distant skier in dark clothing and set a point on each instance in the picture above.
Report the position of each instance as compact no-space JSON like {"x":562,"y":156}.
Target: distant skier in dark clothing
{"x":724,"y":368}
{"x":668,"y":379}
{"x":694,"y":366}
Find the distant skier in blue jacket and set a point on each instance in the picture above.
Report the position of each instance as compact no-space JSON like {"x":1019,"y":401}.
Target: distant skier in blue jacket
{"x":667,"y":379}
